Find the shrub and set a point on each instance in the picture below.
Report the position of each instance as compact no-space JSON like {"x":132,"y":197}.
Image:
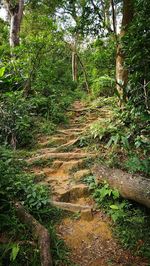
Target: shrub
{"x":103,"y":86}
{"x":15,"y":121}
{"x":17,"y":185}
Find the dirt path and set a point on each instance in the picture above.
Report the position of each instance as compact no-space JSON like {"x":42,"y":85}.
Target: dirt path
{"x":87,"y":233}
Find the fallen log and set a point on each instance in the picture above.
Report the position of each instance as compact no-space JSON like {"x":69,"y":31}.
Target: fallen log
{"x":133,"y":187}
{"x":39,"y":232}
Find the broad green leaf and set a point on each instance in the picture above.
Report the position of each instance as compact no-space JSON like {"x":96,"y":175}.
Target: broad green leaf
{"x":115,"y":194}
{"x":104,"y":192}
{"x":114,"y":207}
{"x":2,"y":71}
{"x":14,"y":253}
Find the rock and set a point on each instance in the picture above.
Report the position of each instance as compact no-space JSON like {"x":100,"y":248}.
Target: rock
{"x":74,"y":193}
{"x":81,"y":174}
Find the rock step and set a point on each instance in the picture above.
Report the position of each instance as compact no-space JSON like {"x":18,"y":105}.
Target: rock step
{"x":66,"y":166}
{"x":59,"y":169}
{"x":73,"y":193}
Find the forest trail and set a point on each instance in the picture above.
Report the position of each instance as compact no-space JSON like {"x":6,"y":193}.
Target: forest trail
{"x":87,"y":232}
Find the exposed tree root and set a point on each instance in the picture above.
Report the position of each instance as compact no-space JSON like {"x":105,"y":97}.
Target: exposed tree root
{"x":71,"y":206}
{"x":61,"y":147}
{"x":39,"y":232}
{"x":62,"y":155}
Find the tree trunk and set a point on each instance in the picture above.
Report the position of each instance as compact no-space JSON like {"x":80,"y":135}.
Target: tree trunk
{"x":74,"y":66}
{"x":15,"y":11}
{"x":39,"y":232}
{"x":84,"y":73}
{"x":121,"y":72}
{"x":131,"y":187}
{"x":121,"y":75}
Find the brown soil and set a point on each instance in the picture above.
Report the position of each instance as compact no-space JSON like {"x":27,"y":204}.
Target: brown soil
{"x":89,"y":235}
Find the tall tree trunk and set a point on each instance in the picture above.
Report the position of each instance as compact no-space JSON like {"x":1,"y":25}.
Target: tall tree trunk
{"x":121,"y":72}
{"x":84,"y":73}
{"x":74,"y":66}
{"x":15,"y":11}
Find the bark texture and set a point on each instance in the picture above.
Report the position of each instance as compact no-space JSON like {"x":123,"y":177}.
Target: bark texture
{"x":74,"y":66}
{"x":84,"y":73}
{"x":121,"y":72}
{"x":39,"y":232}
{"x":131,"y":187}
{"x":15,"y":10}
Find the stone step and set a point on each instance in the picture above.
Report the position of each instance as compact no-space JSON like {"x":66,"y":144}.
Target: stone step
{"x":73,"y":193}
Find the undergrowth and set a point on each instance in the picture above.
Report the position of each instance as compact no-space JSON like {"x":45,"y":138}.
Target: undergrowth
{"x":17,"y":243}
{"x":131,"y":220}
{"x":124,"y":136}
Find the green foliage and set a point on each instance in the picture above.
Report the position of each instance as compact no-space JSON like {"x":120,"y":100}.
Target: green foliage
{"x":36,"y":82}
{"x":118,"y":139}
{"x":90,"y":181}
{"x":2,"y":71}
{"x":103,"y":86}
{"x":137,"y":53}
{"x":14,"y":252}
{"x":104,"y":194}
{"x":99,"y":60}
{"x":15,"y":121}
{"x":104,"y":102}
{"x":134,"y":164}
{"x":113,"y":133}
{"x":126,"y":133}
{"x":4,"y":32}
{"x":98,"y":130}
{"x":16,"y":184}
{"x":131,"y":221}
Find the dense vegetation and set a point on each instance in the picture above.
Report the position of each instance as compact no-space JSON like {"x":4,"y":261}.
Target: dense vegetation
{"x":64,"y":51}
